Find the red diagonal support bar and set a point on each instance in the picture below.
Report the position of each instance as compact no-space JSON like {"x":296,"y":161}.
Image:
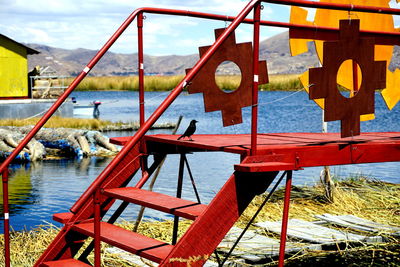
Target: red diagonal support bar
{"x":204,"y":235}
{"x":285,"y":218}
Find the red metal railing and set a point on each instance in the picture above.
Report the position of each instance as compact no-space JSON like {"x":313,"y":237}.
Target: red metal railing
{"x":163,"y":106}
{"x":323,"y":33}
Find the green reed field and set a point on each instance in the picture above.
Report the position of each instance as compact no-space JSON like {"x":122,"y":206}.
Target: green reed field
{"x":288,"y":82}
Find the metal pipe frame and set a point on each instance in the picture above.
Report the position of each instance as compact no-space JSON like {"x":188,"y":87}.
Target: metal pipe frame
{"x":256,"y":53}
{"x":97,"y":219}
{"x":141,"y":68}
{"x":6,"y":218}
{"x":285,"y":218}
{"x":178,"y":195}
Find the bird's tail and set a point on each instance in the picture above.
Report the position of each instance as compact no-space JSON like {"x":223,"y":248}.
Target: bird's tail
{"x":180,"y":137}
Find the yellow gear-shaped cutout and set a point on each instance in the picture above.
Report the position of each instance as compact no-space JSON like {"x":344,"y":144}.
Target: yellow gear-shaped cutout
{"x":368,"y":21}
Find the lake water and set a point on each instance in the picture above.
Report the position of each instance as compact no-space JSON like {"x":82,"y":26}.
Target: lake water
{"x":38,"y":190}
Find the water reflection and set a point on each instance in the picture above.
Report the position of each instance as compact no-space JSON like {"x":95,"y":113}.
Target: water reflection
{"x":38,"y":190}
{"x":20,"y":189}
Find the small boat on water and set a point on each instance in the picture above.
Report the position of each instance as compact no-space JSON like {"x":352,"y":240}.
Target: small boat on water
{"x":87,"y":110}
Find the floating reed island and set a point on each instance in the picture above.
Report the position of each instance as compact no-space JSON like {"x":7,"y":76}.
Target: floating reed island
{"x":277,"y":82}
{"x":366,"y":198}
{"x":63,"y":137}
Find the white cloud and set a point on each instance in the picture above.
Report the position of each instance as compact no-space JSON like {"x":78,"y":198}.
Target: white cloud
{"x":88,"y":24}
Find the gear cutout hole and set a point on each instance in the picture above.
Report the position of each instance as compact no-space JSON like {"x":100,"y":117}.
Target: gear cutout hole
{"x":228,"y":76}
{"x":349,"y":78}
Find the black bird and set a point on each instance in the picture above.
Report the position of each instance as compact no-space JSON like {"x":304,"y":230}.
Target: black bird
{"x":189,"y":131}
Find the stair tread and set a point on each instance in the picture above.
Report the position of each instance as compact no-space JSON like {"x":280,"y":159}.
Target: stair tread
{"x":66,"y":263}
{"x":132,"y":242}
{"x":62,"y":217}
{"x":264,"y":166}
{"x":180,"y":207}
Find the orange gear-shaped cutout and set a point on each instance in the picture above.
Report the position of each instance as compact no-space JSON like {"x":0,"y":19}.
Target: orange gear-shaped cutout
{"x":229,"y":103}
{"x":323,"y":80}
{"x":369,"y":21}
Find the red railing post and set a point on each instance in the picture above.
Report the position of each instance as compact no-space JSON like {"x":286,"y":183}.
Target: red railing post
{"x":97,"y":218}
{"x":141,"y":68}
{"x":254,"y":107}
{"x":6,"y":218}
{"x":285,"y":218}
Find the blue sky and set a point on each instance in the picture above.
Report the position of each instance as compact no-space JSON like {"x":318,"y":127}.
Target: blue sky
{"x":89,"y":23}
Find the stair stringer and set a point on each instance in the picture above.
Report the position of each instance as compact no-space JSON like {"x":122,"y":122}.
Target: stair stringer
{"x":208,"y":230}
{"x":67,"y":243}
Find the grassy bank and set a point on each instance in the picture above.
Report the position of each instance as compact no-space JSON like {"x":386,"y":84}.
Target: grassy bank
{"x":365,"y":198}
{"x":57,"y":122}
{"x":85,"y":124}
{"x":166,"y":83}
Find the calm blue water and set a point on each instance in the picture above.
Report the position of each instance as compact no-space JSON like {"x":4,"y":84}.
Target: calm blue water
{"x":38,"y":190}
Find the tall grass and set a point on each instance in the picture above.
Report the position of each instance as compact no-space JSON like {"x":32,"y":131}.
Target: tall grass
{"x":166,"y":83}
{"x":60,"y":122}
{"x":128,"y":83}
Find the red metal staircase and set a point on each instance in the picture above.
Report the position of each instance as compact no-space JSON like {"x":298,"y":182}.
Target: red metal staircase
{"x":211,"y":222}
{"x":253,"y":175}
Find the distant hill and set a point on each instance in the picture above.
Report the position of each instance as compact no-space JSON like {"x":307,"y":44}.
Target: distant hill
{"x":70,"y":62}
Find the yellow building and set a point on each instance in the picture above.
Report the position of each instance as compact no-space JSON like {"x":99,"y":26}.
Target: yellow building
{"x":14,"y":68}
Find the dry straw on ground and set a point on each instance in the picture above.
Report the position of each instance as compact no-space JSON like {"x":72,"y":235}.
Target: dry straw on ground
{"x":365,"y":198}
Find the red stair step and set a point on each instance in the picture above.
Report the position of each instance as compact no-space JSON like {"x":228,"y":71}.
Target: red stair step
{"x":264,"y":166}
{"x":132,"y":242}
{"x":180,"y":207}
{"x":65,"y":263}
{"x":62,"y":217}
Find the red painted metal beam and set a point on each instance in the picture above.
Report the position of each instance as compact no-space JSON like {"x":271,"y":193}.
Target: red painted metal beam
{"x":204,"y":235}
{"x":97,"y":228}
{"x":256,"y":53}
{"x":141,"y":68}
{"x":285,"y":218}
{"x":6,"y":213}
{"x":384,"y":38}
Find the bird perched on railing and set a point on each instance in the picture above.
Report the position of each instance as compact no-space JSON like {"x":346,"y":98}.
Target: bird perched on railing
{"x":189,"y":131}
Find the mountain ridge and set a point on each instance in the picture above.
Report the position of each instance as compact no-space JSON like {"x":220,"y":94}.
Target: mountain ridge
{"x":71,"y":62}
